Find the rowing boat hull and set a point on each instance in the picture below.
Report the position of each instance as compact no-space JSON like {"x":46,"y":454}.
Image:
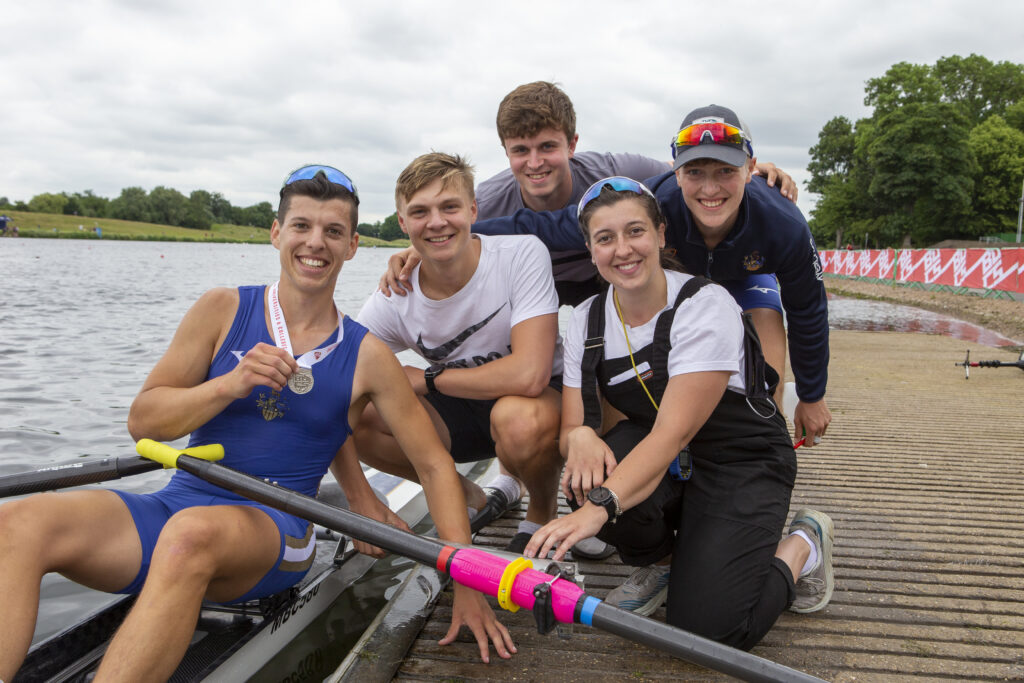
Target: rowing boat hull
{"x":232,"y":644}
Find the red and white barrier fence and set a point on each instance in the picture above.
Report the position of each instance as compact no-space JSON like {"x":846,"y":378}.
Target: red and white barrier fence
{"x":993,"y":269}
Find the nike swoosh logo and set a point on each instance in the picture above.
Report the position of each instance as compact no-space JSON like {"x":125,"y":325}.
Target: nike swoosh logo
{"x":439,"y":353}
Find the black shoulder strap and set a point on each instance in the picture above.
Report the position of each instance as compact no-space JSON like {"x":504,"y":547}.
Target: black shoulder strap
{"x":593,"y":350}
{"x":663,"y":328}
{"x":760,"y":378}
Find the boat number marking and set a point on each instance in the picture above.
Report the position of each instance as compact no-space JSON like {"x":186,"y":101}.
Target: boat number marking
{"x":288,"y":613}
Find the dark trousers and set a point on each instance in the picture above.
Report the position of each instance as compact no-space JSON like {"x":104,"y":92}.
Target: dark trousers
{"x":722,"y":527}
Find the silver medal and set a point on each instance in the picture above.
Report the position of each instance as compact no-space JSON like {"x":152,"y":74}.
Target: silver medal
{"x":301,"y":381}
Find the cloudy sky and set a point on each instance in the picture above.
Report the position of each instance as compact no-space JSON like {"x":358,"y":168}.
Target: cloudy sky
{"x":230,"y":96}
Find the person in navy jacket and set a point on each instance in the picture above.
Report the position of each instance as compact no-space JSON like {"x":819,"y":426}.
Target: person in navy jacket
{"x":730,"y":226}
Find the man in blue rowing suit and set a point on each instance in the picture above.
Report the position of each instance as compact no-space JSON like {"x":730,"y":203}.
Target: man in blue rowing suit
{"x":743,"y":236}
{"x":278,"y":376}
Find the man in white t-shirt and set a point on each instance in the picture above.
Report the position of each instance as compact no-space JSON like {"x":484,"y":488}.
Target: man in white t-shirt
{"x":484,"y":313}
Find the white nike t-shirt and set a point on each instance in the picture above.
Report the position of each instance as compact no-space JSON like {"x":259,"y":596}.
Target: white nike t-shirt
{"x":512,"y":283}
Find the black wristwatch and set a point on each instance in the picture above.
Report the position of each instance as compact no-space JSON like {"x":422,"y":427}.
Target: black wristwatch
{"x":430,"y":374}
{"x":607,"y":499}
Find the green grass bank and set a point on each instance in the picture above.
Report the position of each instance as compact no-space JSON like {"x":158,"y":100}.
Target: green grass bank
{"x":80,"y":227}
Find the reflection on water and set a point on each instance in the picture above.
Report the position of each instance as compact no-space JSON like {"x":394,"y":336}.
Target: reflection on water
{"x":324,"y":644}
{"x":879,"y":316}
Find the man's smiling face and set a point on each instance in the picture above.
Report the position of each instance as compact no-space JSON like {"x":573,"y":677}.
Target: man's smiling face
{"x":540,"y":164}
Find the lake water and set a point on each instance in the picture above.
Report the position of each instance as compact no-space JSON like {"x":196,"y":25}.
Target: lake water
{"x":83,"y":322}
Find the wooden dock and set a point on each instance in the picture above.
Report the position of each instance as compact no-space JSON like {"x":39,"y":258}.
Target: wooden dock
{"x":923,"y":473}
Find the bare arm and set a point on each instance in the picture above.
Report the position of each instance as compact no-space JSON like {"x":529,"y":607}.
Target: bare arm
{"x":380,"y":378}
{"x":686,"y":405}
{"x":176,"y":398}
{"x":396,"y":278}
{"x":361,"y":497}
{"x":348,"y":472}
{"x":525,"y":371}
{"x":588,"y":459}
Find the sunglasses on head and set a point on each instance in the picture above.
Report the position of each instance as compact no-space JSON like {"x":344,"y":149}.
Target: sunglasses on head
{"x":332,"y":174}
{"x":711,"y":133}
{"x":617,"y":183}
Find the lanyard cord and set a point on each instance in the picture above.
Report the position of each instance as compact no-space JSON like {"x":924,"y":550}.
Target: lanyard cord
{"x":618,"y":310}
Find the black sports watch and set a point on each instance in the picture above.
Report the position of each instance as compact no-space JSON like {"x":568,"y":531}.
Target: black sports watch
{"x":607,"y":499}
{"x":430,"y":374}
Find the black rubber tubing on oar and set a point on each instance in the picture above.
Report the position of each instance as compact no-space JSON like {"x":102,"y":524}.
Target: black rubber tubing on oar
{"x":628,"y":625}
{"x":74,"y":474}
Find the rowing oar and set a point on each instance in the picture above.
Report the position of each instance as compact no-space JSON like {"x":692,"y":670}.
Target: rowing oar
{"x":516,"y":584}
{"x":90,"y":472}
{"x":968,"y":364}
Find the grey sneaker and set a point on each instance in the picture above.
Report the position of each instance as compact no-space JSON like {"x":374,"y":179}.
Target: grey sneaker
{"x":643,"y":592}
{"x":814,"y":589}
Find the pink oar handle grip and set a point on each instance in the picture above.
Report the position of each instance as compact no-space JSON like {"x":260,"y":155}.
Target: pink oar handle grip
{"x":482,"y":571}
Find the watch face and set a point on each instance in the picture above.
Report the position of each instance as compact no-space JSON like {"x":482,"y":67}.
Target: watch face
{"x":599,"y":495}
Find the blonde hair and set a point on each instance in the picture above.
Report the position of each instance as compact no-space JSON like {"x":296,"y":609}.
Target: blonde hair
{"x":452,"y":170}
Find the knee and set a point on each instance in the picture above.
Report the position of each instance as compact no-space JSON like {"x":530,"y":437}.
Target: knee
{"x":521,"y":426}
{"x":187,"y":544}
{"x":16,"y":519}
{"x":711,"y":618}
{"x":23,"y":523}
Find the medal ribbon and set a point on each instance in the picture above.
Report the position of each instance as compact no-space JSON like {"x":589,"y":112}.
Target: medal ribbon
{"x":281,"y":338}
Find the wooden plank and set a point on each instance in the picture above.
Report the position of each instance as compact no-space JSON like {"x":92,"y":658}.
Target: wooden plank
{"x":923,"y":473}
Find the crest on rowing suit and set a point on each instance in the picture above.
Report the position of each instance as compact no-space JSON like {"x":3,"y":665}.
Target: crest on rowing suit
{"x":753,"y":261}
{"x":272,"y":406}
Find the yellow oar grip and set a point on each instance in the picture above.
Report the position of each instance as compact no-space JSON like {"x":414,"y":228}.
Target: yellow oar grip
{"x":211,"y":451}
{"x":168,"y":456}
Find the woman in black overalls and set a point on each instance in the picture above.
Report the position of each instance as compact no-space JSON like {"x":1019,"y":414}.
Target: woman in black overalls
{"x":693,"y":486}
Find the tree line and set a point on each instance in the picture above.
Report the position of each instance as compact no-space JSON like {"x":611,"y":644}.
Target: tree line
{"x":387,"y":229}
{"x":162,"y":205}
{"x":940,"y":157}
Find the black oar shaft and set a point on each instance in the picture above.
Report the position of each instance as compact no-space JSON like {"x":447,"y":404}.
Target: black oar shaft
{"x":74,"y":474}
{"x":628,"y":625}
{"x":693,"y":648}
{"x":389,"y":538}
{"x":998,"y":364}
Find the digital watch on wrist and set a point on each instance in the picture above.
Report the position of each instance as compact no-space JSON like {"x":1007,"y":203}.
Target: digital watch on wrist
{"x":607,"y":499}
{"x":430,"y":374}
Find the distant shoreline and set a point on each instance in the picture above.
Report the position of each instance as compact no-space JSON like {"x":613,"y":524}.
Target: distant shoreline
{"x":204,"y":237}
{"x":60,"y":226}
